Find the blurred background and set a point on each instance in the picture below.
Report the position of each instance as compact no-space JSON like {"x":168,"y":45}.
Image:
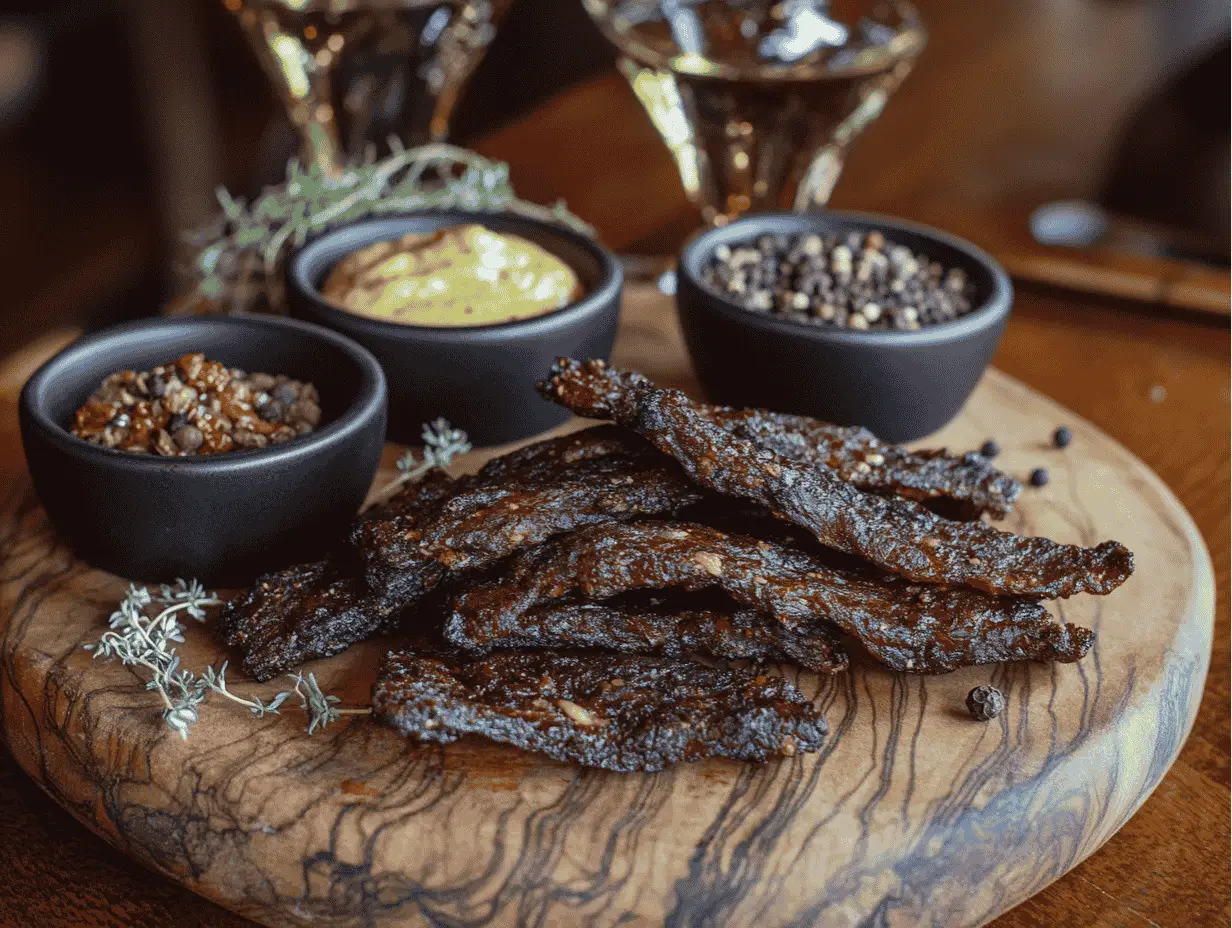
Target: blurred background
{"x":118,"y":119}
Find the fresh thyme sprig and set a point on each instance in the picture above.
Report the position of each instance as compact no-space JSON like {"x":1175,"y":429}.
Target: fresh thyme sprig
{"x":442,"y":443}
{"x":138,"y":639}
{"x":239,"y":256}
{"x":320,"y":707}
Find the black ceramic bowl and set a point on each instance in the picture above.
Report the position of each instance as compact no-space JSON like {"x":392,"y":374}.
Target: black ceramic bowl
{"x":223,"y":518}
{"x":901,"y":385}
{"x":480,"y":378}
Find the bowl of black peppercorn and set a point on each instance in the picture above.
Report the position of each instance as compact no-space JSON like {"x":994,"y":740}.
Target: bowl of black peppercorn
{"x":221,"y":518}
{"x":856,"y":319}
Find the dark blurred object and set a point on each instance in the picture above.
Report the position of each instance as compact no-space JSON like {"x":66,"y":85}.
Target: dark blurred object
{"x":78,"y":235}
{"x":23,"y":55}
{"x":178,"y":108}
{"x":541,"y":47}
{"x":1172,"y":165}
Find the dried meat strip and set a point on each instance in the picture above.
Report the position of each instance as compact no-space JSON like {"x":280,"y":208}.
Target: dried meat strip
{"x":896,"y":534}
{"x":968,"y":481}
{"x":300,"y":614}
{"x":316,"y":610}
{"x":610,"y":711}
{"x":492,"y":517}
{"x":907,"y":626}
{"x":658,"y":630}
{"x":584,"y":444}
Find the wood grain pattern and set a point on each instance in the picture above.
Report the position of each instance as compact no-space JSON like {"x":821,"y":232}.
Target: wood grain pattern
{"x":951,"y":138}
{"x":911,"y":815}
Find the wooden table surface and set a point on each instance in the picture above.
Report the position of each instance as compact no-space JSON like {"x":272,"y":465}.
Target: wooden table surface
{"x":1156,"y":381}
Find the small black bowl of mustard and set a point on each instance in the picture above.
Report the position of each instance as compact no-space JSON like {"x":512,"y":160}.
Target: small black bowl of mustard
{"x":464,"y":311}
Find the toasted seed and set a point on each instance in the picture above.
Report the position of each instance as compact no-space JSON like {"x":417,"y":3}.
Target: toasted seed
{"x":577,"y":713}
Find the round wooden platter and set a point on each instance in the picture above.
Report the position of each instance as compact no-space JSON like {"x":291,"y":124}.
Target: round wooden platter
{"x":912,"y":814}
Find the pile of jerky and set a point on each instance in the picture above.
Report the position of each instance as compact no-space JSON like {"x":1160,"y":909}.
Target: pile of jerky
{"x":618,"y":597}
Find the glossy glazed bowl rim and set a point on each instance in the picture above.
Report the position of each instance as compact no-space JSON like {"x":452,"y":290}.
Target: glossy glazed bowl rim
{"x":611,"y":280}
{"x":368,"y":401}
{"x":990,"y":312}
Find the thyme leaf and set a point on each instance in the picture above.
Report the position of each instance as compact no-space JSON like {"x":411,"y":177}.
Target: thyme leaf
{"x":138,"y":638}
{"x":238,"y":258}
{"x":441,"y":444}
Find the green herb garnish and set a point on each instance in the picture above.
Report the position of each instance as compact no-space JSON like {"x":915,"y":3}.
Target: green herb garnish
{"x":442,"y":443}
{"x":141,"y":636}
{"x":240,"y":256}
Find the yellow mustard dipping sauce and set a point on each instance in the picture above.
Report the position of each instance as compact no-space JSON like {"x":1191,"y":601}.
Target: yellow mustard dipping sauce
{"x":459,"y":276}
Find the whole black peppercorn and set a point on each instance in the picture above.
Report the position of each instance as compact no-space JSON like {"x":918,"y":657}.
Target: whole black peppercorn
{"x":285,"y":394}
{"x":271,"y":411}
{"x":985,"y":703}
{"x":1039,"y":477}
{"x":990,"y":449}
{"x":188,"y":438}
{"x":1062,"y":437}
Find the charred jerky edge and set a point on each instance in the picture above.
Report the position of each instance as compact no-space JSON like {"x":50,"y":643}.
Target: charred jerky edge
{"x":302,"y":613}
{"x":895,"y":534}
{"x":316,"y":610}
{"x":967,"y":483}
{"x":907,"y":626}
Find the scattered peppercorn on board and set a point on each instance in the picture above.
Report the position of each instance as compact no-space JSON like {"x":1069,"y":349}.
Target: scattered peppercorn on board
{"x":912,"y":813}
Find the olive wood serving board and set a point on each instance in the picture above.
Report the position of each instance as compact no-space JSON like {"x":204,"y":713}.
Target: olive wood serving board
{"x":912,"y":814}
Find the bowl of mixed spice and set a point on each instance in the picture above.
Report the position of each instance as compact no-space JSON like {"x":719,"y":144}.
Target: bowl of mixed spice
{"x":212,"y":447}
{"x":194,"y":406}
{"x":852,"y":318}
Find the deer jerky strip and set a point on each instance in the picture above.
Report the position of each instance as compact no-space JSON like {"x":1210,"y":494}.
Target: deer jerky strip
{"x":907,"y":626}
{"x":302,"y":613}
{"x":389,"y":526}
{"x":968,"y":481}
{"x":491,"y":517}
{"x":403,"y":514}
{"x":584,"y":444}
{"x":896,"y":534}
{"x":316,"y":610}
{"x":658,"y":630}
{"x":611,"y":711}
